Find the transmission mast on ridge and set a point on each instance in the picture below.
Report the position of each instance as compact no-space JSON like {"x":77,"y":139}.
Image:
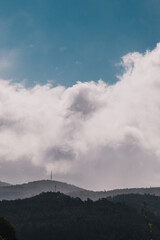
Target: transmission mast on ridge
{"x":55,"y":187}
{"x":51,"y":175}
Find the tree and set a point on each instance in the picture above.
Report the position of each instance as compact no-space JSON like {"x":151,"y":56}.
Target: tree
{"x":7,"y":231}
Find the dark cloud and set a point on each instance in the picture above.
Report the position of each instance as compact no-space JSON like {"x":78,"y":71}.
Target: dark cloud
{"x":84,"y":103}
{"x":58,"y":153}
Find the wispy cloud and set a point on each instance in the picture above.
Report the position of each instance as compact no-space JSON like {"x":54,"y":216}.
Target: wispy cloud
{"x":92,"y":134}
{"x":7,"y":60}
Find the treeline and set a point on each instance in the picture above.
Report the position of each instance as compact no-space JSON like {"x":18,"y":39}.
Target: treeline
{"x":55,"y":216}
{"x":137,"y":201}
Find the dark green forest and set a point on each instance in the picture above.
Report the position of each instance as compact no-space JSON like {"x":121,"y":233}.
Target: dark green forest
{"x":55,"y":216}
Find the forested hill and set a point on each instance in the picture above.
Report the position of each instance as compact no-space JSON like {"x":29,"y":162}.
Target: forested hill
{"x":137,"y":201}
{"x":55,"y":216}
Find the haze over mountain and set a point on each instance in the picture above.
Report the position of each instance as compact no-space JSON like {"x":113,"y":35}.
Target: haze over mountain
{"x":21,"y":191}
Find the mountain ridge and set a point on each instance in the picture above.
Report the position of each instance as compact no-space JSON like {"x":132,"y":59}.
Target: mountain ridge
{"x":30,"y":189}
{"x":4,"y":184}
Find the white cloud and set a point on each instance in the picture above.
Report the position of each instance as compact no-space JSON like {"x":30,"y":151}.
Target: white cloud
{"x":91,"y":134}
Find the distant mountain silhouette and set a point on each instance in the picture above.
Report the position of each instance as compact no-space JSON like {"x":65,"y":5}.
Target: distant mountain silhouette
{"x":95,"y":195}
{"x":4,"y":184}
{"x":21,"y":191}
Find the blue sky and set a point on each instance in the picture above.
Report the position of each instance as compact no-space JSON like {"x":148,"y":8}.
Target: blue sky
{"x":65,"y":41}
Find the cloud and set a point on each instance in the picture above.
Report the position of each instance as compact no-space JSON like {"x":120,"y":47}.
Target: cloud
{"x":92,"y":134}
{"x":20,"y":171}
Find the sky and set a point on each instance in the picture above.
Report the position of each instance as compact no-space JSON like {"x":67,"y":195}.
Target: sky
{"x":74,"y":40}
{"x":79,"y":92}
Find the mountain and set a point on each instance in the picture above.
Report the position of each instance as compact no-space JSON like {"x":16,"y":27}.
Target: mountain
{"x":4,"y":184}
{"x":95,"y":195}
{"x":21,"y":191}
{"x":58,"y":216}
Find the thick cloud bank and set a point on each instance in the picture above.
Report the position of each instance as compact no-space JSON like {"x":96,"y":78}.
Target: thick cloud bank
{"x":91,"y":134}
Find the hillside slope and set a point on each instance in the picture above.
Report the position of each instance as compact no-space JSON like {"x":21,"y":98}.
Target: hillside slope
{"x":60,"y":217}
{"x":137,"y":201}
